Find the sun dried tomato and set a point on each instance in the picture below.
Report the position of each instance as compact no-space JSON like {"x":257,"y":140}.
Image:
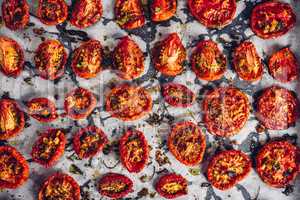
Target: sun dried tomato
{"x":42,"y":109}
{"x":15,"y":14}
{"x":52,"y":12}
{"x":162,"y":10}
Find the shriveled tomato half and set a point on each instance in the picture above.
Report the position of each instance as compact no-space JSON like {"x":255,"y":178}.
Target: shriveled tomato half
{"x":87,"y":59}
{"x":15,"y":14}
{"x":129,"y":14}
{"x":128,"y":102}
{"x":277,"y":108}
{"x":59,"y":186}
{"x":213,"y":14}
{"x":86,"y":13}
{"x":162,"y":10}
{"x":276,"y":163}
{"x":226,"y":110}
{"x":14,"y":169}
{"x":283,"y":65}
{"x":247,"y":62}
{"x":128,"y":59}
{"x":50,"y":59}
{"x":208,"y":62}
{"x":171,"y":186}
{"x":134,"y":150}
{"x":115,"y":185}
{"x":49,"y":147}
{"x":187,"y":143}
{"x":52,"y":12}
{"x":169,"y":55}
{"x":11,"y":57}
{"x":227,"y":168}
{"x":80,"y":103}
{"x":12,"y":119}
{"x":89,"y":141}
{"x":272,"y":19}
{"x":42,"y":109}
{"x":178,"y":95}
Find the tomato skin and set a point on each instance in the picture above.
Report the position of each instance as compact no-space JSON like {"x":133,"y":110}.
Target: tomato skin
{"x":169,"y":55}
{"x":82,"y":17}
{"x":52,"y":12}
{"x":114,"y":178}
{"x":129,"y":14}
{"x":280,"y":16}
{"x":162,"y":10}
{"x":126,"y":154}
{"x":281,"y":156}
{"x":242,"y":55}
{"x":85,"y":134}
{"x":89,"y":53}
{"x":80,"y":96}
{"x":283,"y":65}
{"x":6,"y":44}
{"x":15,"y":14}
{"x":37,"y":106}
{"x":56,"y":182}
{"x":186,"y":99}
{"x":222,"y":12}
{"x":128,"y":59}
{"x":205,"y":58}
{"x":179,"y":139}
{"x":18,"y":179}
{"x":225,"y":163}
{"x":171,"y":178}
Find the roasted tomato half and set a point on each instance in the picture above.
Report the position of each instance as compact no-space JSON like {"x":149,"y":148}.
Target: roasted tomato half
{"x":187,"y":143}
{"x":162,"y":10}
{"x":128,"y":102}
{"x":178,"y":95}
{"x":42,"y":109}
{"x":272,"y":19}
{"x":12,"y":119}
{"x":226,"y":110}
{"x":169,"y":55}
{"x":283,"y":65}
{"x":115,"y":185}
{"x":14,"y":170}
{"x":49,"y":147}
{"x":86,"y":13}
{"x":52,"y":12}
{"x":213,"y":14}
{"x":227,"y":168}
{"x":11,"y":57}
{"x":128,"y":59}
{"x":277,"y":108}
{"x":208,"y":62}
{"x":50,"y":59}
{"x":171,"y":186}
{"x":15,"y":14}
{"x":129,"y":14}
{"x":89,"y":141}
{"x":247,"y":62}
{"x":276,"y":163}
{"x":59,"y":186}
{"x":80,"y":103}
{"x":134,"y":150}
{"x":87,"y":59}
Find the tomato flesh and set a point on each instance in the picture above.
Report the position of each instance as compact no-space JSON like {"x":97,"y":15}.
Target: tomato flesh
{"x":178,"y":95}
{"x":52,"y":12}
{"x":15,"y":14}
{"x":42,"y":109}
{"x":162,"y":10}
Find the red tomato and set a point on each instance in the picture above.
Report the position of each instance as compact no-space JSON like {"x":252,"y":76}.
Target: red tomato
{"x":178,"y":95}
{"x":15,"y":14}
{"x":171,"y":186}
{"x":89,"y":141}
{"x":128,"y":59}
{"x":272,"y":19}
{"x":162,"y":10}
{"x":42,"y":109}
{"x":208,"y":62}
{"x":169,"y":55}
{"x":129,"y":14}
{"x":11,"y":57}
{"x":14,"y":168}
{"x":86,"y":13}
{"x":52,"y":12}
